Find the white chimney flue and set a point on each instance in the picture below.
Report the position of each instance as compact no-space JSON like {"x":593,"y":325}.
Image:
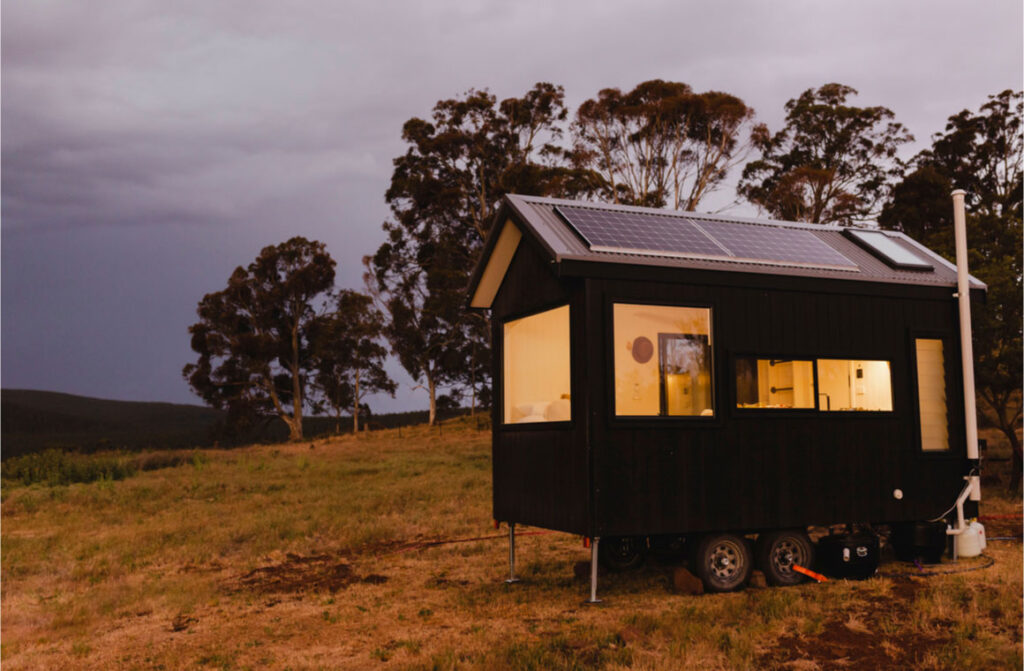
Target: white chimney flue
{"x":966,"y":346}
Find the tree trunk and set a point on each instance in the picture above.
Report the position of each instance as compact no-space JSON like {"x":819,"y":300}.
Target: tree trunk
{"x":295,"y":426}
{"x":432,"y":390}
{"x":1017,"y":472}
{"x":355,"y":408}
{"x":472,"y":381}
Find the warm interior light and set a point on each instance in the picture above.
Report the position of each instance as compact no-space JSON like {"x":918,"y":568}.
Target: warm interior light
{"x":848,"y":384}
{"x":536,"y":368}
{"x":931,"y":395}
{"x":677,"y":380}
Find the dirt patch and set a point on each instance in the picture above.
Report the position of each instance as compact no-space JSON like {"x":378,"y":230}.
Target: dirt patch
{"x":858,"y":641}
{"x":314,"y":573}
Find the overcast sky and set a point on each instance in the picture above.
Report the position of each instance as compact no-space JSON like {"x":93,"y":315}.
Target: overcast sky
{"x":149,"y":148}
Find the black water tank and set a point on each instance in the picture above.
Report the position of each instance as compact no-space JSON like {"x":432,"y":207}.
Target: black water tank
{"x":919,"y":540}
{"x":853,"y":555}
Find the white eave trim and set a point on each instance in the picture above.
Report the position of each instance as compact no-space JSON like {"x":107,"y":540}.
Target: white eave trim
{"x":497,"y":265}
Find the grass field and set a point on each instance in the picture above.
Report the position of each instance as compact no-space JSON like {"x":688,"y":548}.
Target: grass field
{"x":315,"y":555}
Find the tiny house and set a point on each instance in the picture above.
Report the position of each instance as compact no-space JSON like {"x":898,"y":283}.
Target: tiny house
{"x":662,"y":375}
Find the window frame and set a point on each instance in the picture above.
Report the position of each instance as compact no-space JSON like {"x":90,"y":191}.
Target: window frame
{"x":954,"y":395}
{"x":816,"y":411}
{"x":717,"y":419}
{"x":773,"y":412}
{"x":498,"y":353}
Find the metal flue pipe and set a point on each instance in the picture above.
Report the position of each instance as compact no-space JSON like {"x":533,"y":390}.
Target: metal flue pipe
{"x":966,"y":346}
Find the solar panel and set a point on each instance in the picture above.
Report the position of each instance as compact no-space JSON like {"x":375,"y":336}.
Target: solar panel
{"x":890,"y":251}
{"x":610,"y":230}
{"x":775,"y":243}
{"x":678,"y":236}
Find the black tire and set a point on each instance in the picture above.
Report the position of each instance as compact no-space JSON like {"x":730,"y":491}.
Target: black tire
{"x":778,"y":551}
{"x":723,"y":562}
{"x":622,"y":553}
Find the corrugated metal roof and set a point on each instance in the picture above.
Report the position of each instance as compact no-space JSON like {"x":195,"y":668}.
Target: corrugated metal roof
{"x":564,"y":244}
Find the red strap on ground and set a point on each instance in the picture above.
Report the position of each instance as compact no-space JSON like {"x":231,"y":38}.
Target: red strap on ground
{"x":809,"y":573}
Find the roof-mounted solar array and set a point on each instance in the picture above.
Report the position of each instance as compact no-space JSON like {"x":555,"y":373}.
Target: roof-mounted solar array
{"x":887,"y":249}
{"x":679,"y":236}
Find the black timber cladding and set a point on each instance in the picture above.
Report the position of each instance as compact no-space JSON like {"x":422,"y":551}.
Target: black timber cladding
{"x":607,"y":475}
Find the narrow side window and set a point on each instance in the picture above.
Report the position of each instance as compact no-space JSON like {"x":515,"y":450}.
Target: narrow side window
{"x":931,"y":395}
{"x":536,"y":368}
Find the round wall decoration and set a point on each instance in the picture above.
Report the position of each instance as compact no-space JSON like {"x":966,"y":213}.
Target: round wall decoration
{"x":643,"y":350}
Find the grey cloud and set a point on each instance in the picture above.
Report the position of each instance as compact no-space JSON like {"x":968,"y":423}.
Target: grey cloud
{"x":150,"y":147}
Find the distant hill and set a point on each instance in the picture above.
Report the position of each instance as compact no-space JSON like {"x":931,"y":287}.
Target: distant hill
{"x":32,"y":421}
{"x":35,"y":420}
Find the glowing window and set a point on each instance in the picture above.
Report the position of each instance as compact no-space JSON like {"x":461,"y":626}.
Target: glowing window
{"x":931,"y":395}
{"x":774,"y":383}
{"x":662,"y":360}
{"x":850,"y":384}
{"x":537,"y":368}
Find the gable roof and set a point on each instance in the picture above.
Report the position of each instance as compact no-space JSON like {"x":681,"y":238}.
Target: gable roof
{"x":539,"y":219}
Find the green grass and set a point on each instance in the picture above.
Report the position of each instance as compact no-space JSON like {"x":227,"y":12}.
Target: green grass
{"x":149,"y":572}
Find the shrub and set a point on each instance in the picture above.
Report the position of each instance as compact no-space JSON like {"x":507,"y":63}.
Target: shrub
{"x":56,"y":467}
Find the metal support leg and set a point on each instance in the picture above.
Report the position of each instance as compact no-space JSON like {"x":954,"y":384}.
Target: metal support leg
{"x":512,"y":553}
{"x":593,"y":571}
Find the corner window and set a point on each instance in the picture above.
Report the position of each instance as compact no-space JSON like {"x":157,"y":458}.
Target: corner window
{"x":662,"y":358}
{"x":931,"y":395}
{"x":853,"y":384}
{"x":774,"y":383}
{"x":536,"y":368}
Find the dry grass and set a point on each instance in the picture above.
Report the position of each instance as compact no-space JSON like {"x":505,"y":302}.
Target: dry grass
{"x":297,"y":557}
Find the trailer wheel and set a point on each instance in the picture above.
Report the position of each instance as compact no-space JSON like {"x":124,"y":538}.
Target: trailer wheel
{"x":723,"y":562}
{"x":778,"y":551}
{"x":622,"y":553}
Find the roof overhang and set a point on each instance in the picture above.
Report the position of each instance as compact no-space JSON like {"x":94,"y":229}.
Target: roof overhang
{"x":496,"y":259}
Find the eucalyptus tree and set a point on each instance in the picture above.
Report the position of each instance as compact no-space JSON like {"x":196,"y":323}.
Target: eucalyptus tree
{"x":443,"y":195}
{"x":661,"y":144}
{"x":831,"y":163}
{"x":253,"y":337}
{"x":348,"y":354}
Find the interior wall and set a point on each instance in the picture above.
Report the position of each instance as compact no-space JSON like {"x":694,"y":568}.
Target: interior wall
{"x":536,"y":367}
{"x":637,"y":384}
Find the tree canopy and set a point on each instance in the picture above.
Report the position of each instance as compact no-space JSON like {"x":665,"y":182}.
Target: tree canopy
{"x":252,"y":337}
{"x":443,"y":193}
{"x":348,"y":357}
{"x":660,"y":144}
{"x":831,"y":163}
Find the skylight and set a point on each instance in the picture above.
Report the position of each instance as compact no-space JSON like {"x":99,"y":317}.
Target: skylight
{"x":888,"y":250}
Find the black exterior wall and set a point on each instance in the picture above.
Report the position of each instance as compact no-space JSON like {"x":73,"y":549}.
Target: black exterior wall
{"x":742,"y":470}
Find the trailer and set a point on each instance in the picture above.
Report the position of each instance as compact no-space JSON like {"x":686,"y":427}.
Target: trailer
{"x":665,"y":377}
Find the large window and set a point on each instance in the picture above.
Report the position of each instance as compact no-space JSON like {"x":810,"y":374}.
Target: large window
{"x":536,"y":368}
{"x":851,"y":384}
{"x":662,"y":361}
{"x":931,"y":395}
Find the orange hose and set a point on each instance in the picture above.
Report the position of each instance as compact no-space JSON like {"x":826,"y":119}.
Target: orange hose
{"x":809,"y":573}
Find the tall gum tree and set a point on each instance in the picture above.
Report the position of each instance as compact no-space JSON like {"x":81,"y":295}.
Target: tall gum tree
{"x":660,"y":144}
{"x":348,"y":357}
{"x":252,"y":338}
{"x":443,"y":195}
{"x":832,"y":163}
